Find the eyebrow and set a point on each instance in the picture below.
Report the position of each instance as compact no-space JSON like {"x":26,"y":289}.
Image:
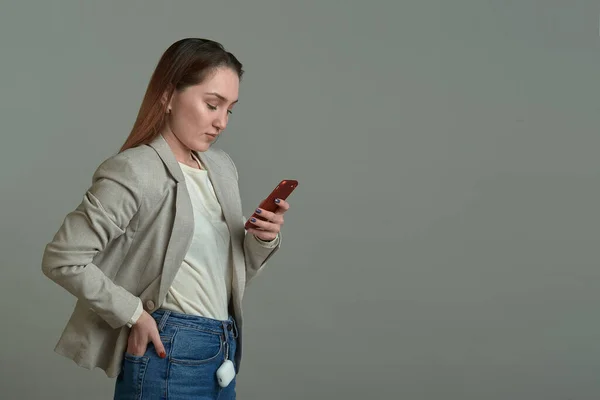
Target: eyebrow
{"x":220,"y":97}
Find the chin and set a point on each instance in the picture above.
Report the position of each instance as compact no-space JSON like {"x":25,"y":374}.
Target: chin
{"x":201,"y":147}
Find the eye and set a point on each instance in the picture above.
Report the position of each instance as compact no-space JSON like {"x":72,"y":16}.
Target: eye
{"x":214,"y":108}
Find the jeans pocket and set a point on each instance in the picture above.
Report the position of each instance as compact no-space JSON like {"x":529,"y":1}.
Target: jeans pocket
{"x":131,"y":379}
{"x":195,"y":347}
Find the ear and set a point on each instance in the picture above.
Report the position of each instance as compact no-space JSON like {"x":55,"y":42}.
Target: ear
{"x":167,"y":98}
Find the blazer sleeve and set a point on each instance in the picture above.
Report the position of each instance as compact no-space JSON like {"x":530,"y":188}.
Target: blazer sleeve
{"x":256,"y":252}
{"x":107,"y":208}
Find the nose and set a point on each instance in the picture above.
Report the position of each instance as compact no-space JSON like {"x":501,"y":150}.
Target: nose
{"x":220,"y":122}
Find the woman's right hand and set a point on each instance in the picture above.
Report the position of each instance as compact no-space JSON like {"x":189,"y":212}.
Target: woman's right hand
{"x":143,"y":332}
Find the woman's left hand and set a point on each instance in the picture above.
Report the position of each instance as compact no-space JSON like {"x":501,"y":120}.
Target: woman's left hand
{"x":269,"y":229}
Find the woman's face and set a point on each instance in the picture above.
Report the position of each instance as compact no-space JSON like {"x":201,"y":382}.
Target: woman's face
{"x":200,"y":113}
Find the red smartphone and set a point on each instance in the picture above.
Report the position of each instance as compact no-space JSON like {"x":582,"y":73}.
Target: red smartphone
{"x":281,"y":191}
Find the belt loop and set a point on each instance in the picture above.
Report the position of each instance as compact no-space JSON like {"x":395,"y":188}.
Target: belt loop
{"x":225,"y":333}
{"x":225,"y":339}
{"x":236,"y":333}
{"x":163,"y":320}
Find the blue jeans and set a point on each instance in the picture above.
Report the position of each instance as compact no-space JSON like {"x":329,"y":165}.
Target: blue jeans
{"x":195,"y":346}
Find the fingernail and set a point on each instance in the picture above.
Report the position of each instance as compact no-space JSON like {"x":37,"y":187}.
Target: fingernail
{"x":258,"y":211}
{"x":277,"y":201}
{"x":253,"y":220}
{"x":163,"y":354}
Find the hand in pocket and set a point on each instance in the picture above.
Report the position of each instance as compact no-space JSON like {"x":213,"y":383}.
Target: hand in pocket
{"x":143,"y":332}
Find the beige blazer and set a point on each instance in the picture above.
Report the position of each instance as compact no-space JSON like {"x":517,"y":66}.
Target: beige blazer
{"x":127,"y":240}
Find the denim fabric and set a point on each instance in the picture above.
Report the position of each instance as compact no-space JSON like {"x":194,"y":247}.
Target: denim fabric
{"x":195,"y":346}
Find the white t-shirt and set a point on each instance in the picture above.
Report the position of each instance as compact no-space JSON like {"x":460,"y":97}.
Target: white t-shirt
{"x":202,"y":286}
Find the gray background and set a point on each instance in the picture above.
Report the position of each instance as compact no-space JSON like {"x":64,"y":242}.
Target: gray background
{"x":443,"y":241}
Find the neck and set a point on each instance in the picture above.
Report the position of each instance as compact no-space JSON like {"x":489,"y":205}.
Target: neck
{"x":181,"y":152}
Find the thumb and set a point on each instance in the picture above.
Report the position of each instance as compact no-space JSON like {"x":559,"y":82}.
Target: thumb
{"x":160,"y":349}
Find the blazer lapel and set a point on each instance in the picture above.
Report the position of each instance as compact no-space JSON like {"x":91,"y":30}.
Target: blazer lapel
{"x":183,"y":220}
{"x":160,"y":145}
{"x":224,"y":189}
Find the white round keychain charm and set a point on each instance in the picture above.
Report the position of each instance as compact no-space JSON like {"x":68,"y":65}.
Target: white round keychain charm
{"x":225,"y":373}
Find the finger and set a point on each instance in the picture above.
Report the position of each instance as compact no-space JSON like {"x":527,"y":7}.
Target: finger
{"x":135,"y":346}
{"x":265,"y":225}
{"x":282,"y":206}
{"x":270,"y":216}
{"x":141,"y":352}
{"x":136,"y":350}
{"x":160,"y":349}
{"x":267,"y":236}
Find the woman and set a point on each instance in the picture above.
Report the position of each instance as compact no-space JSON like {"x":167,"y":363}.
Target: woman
{"x":157,"y":253}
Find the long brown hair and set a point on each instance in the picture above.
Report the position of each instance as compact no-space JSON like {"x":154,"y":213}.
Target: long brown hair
{"x":185,"y":63}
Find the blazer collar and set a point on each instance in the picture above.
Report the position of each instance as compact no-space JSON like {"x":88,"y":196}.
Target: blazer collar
{"x":160,"y":145}
{"x":223,"y":188}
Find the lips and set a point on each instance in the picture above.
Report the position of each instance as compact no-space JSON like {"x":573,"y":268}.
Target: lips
{"x":214,"y":136}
